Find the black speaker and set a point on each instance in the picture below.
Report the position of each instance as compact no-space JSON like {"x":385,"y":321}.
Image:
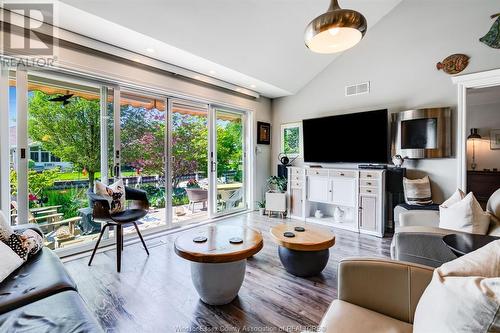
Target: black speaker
{"x":282,"y":170}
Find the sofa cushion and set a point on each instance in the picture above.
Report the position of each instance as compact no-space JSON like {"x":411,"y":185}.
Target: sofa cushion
{"x":10,"y":261}
{"x":346,"y":317}
{"x":41,"y":276}
{"x":417,"y":191}
{"x":464,"y":215}
{"x":464,"y":295}
{"x":5,"y":228}
{"x":63,"y":312}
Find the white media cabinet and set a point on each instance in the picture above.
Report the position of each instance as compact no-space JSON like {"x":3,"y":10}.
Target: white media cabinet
{"x":359,"y":193}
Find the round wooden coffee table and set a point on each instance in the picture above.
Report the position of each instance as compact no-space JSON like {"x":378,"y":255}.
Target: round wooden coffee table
{"x":218,"y":255}
{"x":306,"y":253}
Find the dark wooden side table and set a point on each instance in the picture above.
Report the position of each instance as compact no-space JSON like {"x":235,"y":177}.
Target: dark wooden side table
{"x":303,"y":249}
{"x":461,"y":244}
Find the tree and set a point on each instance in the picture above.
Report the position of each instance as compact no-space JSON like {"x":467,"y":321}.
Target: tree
{"x":229,"y":147}
{"x":291,"y":140}
{"x":189,"y":145}
{"x":71,"y":132}
{"x":143,"y":139}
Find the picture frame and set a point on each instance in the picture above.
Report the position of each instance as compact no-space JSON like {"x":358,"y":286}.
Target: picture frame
{"x":263,"y":133}
{"x":495,"y":139}
{"x":291,"y":139}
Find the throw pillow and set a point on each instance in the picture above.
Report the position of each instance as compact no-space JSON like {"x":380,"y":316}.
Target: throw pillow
{"x":465,"y":215}
{"x":417,"y":191}
{"x":5,"y":228}
{"x":463,"y":295}
{"x":114,"y":193}
{"x":455,"y":197}
{"x":25,"y":244}
{"x":9,"y":263}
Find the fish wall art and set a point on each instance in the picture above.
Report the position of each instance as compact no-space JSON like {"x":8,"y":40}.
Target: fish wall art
{"x":492,"y":38}
{"x":453,"y":64}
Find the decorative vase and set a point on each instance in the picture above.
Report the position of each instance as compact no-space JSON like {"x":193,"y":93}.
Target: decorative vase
{"x":262,"y":211}
{"x":398,"y":160}
{"x":318,"y":214}
{"x":338,"y":214}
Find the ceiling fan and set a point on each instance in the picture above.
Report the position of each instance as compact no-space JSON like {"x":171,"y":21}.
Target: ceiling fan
{"x":63,"y":98}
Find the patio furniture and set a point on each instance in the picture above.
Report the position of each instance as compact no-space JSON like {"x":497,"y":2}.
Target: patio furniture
{"x":196,"y":195}
{"x":234,"y":199}
{"x":48,"y":219}
{"x":138,"y":206}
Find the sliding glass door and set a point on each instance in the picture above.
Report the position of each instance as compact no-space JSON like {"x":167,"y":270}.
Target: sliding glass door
{"x":143,"y":152}
{"x":65,"y":134}
{"x":59,"y":136}
{"x":229,"y":161}
{"x":189,"y":148}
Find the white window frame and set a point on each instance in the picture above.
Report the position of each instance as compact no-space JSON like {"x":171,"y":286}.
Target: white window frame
{"x":282,"y":138}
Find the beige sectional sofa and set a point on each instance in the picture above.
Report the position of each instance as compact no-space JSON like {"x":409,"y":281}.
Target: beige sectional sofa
{"x":418,"y":238}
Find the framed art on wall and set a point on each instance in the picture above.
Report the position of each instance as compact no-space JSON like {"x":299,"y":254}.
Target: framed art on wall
{"x":263,"y":133}
{"x":495,"y":139}
{"x":291,"y":139}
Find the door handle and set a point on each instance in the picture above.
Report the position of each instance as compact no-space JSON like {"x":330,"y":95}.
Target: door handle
{"x":213,"y":166}
{"x":117,"y":170}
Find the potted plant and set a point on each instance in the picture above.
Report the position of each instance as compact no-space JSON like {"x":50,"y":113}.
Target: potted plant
{"x":276,"y":196}
{"x":262,"y":207}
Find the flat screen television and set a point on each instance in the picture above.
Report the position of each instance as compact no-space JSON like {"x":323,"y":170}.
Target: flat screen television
{"x":349,"y":138}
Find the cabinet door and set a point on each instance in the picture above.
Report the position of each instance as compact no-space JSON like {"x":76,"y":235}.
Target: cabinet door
{"x":318,"y":189}
{"x":343,"y":192}
{"x":368,"y":215}
{"x":296,"y":202}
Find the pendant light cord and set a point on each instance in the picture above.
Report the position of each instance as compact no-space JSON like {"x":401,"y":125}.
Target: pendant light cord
{"x":334,"y":5}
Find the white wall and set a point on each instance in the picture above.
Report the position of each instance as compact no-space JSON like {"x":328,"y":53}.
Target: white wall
{"x":398,"y":56}
{"x":485,"y":118}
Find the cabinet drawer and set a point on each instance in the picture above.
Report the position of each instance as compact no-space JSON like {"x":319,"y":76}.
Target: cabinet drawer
{"x":296,"y":171}
{"x":369,"y":175}
{"x":297,"y":184}
{"x":317,"y":172}
{"x":368,"y":182}
{"x":294,"y":178}
{"x":368,"y":190}
{"x":342,"y":173}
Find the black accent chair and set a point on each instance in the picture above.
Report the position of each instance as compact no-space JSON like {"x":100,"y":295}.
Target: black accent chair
{"x":137,"y":208}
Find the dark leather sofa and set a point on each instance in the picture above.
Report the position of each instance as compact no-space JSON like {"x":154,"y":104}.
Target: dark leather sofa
{"x":42,"y":297}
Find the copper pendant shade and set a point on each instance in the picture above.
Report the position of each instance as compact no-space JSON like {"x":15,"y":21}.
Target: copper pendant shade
{"x":336,"y":30}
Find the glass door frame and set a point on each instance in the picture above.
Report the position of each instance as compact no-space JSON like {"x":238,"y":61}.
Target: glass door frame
{"x":22,"y":113}
{"x":247,"y":158}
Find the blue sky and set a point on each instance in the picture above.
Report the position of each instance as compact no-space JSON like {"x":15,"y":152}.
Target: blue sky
{"x":12,"y":106}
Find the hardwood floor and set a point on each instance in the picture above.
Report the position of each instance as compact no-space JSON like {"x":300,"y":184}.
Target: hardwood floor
{"x":155,"y":293}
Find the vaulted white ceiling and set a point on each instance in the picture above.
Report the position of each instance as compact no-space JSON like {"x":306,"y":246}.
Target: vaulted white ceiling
{"x":257,"y":44}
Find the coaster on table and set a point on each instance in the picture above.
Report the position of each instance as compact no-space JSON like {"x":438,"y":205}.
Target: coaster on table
{"x":300,"y":229}
{"x":235,"y":240}
{"x":200,"y":239}
{"x":288,"y":234}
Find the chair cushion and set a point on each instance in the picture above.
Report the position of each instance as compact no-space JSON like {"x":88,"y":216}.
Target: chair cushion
{"x":63,"y":312}
{"x":41,"y":276}
{"x":464,"y":214}
{"x":417,"y":191}
{"x":346,"y":317}
{"x":129,"y":215}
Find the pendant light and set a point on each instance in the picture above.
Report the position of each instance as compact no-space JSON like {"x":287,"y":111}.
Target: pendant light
{"x":336,"y":30}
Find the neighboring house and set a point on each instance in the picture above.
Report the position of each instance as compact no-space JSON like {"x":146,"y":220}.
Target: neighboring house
{"x":44,"y":160}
